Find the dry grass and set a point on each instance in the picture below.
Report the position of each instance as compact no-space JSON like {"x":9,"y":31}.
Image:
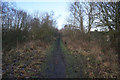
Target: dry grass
{"x":99,"y":64}
{"x":26,"y":60}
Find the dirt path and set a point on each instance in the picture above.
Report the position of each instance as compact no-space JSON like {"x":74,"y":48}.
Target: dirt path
{"x":56,"y":64}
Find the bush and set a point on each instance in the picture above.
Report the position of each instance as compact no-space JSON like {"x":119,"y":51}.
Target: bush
{"x":10,"y":38}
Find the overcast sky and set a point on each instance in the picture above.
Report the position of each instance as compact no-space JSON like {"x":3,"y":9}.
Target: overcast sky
{"x":60,"y":9}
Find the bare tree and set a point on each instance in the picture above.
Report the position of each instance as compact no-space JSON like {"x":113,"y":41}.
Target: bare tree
{"x":90,"y":11}
{"x":108,"y":15}
{"x":77,"y":13}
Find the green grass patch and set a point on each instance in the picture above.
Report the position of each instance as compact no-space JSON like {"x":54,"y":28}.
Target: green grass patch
{"x":75,"y":63}
{"x":48,"y":57}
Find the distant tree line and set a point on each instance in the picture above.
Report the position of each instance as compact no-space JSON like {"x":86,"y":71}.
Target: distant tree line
{"x":96,"y":14}
{"x":18,"y":26}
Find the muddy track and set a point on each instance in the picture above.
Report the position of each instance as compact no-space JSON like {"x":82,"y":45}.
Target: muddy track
{"x":56,"y":64}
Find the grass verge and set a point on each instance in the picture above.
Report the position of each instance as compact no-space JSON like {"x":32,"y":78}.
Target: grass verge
{"x":75,"y":63}
{"x":48,"y":57}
